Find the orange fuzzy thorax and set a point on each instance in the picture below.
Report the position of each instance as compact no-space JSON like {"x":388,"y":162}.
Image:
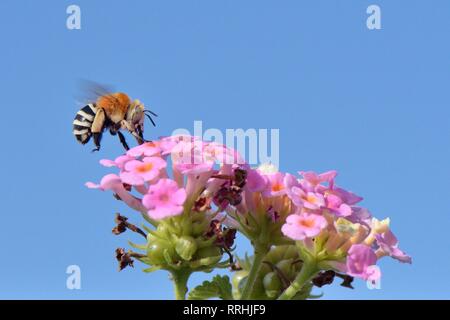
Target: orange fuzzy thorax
{"x":115,"y":105}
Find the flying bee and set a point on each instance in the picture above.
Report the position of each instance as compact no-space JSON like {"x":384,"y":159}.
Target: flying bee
{"x":113,"y":112}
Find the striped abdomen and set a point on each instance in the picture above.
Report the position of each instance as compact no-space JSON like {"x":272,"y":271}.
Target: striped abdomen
{"x":83,"y":122}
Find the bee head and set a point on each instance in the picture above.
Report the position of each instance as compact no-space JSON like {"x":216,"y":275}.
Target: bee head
{"x":135,"y":114}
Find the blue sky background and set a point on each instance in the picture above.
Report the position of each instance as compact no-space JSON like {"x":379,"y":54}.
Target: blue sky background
{"x":372,"y":104}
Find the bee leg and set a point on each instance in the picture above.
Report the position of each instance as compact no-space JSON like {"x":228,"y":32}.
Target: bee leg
{"x":123,"y":141}
{"x":138,"y":137}
{"x":140,"y":133}
{"x":97,"y":138}
{"x":124,"y":124}
{"x":97,"y":128}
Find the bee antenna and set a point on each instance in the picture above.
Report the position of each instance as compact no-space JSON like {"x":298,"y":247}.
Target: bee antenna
{"x":150,"y":118}
{"x":151,"y":112}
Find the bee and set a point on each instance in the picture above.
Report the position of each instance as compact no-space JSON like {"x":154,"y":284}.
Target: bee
{"x":113,"y":111}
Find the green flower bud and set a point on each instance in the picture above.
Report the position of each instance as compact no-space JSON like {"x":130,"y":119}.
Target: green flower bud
{"x":276,"y":254}
{"x":237,"y":282}
{"x":211,"y":251}
{"x":286,"y":267}
{"x":206,"y":256}
{"x":272,"y":285}
{"x":186,"y":247}
{"x":156,"y":249}
{"x":290,"y":252}
{"x":282,"y":252}
{"x":180,"y":243}
{"x":164,"y":230}
{"x":281,"y":263}
{"x":266,"y":267}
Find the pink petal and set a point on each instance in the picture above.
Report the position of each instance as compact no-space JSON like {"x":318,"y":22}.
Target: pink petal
{"x":131,"y":165}
{"x":179,"y":196}
{"x":107,"y":163}
{"x":92,"y":185}
{"x":164,"y":212}
{"x":255,"y":181}
{"x":110,"y":181}
{"x":156,"y":161}
{"x":131,"y":178}
{"x":122,"y":160}
{"x":333,"y":201}
{"x":345,"y":210}
{"x":328,"y":176}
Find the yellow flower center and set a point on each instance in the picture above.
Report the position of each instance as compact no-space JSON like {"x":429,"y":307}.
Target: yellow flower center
{"x":146,"y":167}
{"x":277,"y":187}
{"x":308,"y":223}
{"x":311,"y":199}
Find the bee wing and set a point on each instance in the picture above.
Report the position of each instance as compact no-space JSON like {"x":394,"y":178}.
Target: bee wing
{"x":90,"y":91}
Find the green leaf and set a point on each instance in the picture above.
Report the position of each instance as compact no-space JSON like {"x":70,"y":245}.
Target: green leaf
{"x":219,"y":287}
{"x":147,"y":229}
{"x":138,"y":246}
{"x":146,"y":260}
{"x":152,"y":269}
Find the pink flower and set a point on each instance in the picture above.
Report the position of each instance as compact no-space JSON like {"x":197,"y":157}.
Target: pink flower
{"x":167,"y":144}
{"x":196,"y":182}
{"x":108,"y":182}
{"x":118,"y":162}
{"x":194,"y":169}
{"x":361,"y":260}
{"x":223,"y":155}
{"x":290,"y":181}
{"x":275,"y":185}
{"x":360,"y":215}
{"x":114,"y":183}
{"x":337,"y":206}
{"x":255,"y":181}
{"x":190,"y":157}
{"x":347,"y":196}
{"x":146,"y":149}
{"x":309,"y":200}
{"x":164,"y":199}
{"x":389,"y":244}
{"x":311,"y":179}
{"x":138,"y":172}
{"x":219,"y":179}
{"x":305,"y":225}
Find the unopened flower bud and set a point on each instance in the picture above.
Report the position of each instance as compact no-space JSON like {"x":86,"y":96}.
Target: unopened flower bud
{"x":207,"y":256}
{"x":272,"y":285}
{"x":207,"y":252}
{"x":238,"y":281}
{"x":157,"y":249}
{"x":286,"y":267}
{"x":186,"y":247}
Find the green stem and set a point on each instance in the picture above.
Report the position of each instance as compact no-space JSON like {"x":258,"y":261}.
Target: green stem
{"x":260,"y":253}
{"x":180,"y":279}
{"x":309,"y":270}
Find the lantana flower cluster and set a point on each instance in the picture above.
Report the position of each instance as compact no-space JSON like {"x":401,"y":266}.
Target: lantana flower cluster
{"x":197,"y":195}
